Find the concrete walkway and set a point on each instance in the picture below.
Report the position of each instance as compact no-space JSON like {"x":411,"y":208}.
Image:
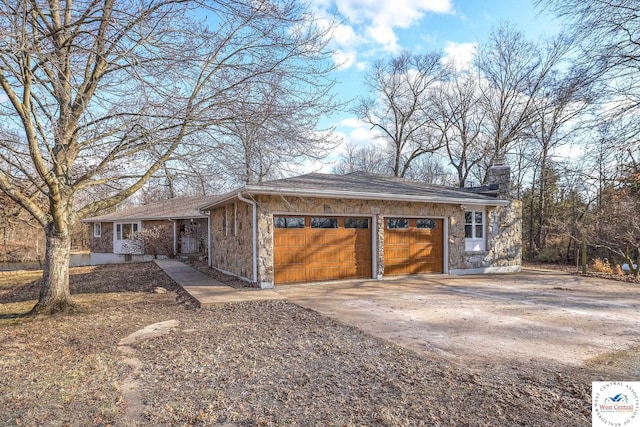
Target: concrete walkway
{"x":208,"y":291}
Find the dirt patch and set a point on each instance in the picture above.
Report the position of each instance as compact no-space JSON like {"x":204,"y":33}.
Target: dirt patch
{"x":260,"y":364}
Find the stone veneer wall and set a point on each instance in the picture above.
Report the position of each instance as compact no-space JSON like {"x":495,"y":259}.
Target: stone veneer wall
{"x":104,"y":243}
{"x":233,"y":254}
{"x":504,"y":241}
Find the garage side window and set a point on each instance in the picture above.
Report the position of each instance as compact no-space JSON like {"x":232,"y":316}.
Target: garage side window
{"x":324,"y":222}
{"x":356,"y":223}
{"x":426,"y":223}
{"x":97,"y":229}
{"x":288,"y":222}
{"x":474,"y":231}
{"x":397,"y":223}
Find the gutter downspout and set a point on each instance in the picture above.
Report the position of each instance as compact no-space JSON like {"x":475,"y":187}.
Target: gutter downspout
{"x":254,"y":233}
{"x":208,"y":213}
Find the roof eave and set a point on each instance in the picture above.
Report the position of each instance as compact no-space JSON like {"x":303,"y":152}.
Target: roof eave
{"x":142,"y":218}
{"x":254,"y":190}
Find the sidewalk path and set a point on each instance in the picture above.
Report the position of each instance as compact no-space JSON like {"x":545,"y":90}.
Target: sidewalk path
{"x":208,"y":291}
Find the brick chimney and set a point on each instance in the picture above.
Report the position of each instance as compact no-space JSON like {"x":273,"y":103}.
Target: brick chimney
{"x":499,"y":177}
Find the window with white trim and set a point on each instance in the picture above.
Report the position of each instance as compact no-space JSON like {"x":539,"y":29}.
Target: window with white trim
{"x":97,"y":229}
{"x":474,"y":225}
{"x":125,"y":231}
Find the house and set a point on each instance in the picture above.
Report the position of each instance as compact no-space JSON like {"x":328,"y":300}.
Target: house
{"x":320,"y":227}
{"x":175,"y":226}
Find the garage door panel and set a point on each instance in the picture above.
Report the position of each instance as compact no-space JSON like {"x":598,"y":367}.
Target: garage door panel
{"x":290,"y":275}
{"x":289,"y":257}
{"x":288,"y":239}
{"x":398,"y":253}
{"x":324,"y":273}
{"x":324,"y":256}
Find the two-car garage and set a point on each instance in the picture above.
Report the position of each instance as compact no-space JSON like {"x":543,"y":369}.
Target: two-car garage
{"x":317,"y":248}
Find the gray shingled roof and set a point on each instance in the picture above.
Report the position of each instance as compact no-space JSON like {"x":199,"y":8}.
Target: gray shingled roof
{"x":366,"y":186}
{"x":362,"y":182}
{"x":181,"y":207}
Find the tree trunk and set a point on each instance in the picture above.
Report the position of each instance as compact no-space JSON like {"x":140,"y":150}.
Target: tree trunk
{"x":55,"y":296}
{"x":584,"y":250}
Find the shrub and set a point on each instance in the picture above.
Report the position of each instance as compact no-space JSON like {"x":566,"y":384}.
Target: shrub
{"x":618,"y":270}
{"x":600,"y":265}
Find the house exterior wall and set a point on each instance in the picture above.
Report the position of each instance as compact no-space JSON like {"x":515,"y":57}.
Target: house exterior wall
{"x":163,"y":244}
{"x":104,"y":243}
{"x":504,"y":243}
{"x":232,"y":251}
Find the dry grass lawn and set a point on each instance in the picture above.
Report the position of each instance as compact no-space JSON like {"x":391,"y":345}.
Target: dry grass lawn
{"x":267,"y":363}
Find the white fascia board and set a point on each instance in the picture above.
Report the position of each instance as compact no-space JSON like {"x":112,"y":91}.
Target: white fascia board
{"x":375,"y":196}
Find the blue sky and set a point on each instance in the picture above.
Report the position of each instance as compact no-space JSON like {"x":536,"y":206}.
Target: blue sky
{"x":378,"y":29}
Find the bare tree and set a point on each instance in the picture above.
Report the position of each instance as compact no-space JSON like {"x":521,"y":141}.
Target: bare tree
{"x":275,"y":128}
{"x":460,"y":120}
{"x":619,"y":226}
{"x":103,"y":93}
{"x":369,"y":159}
{"x":400,"y":105}
{"x":609,"y":35}
{"x":513,"y":72}
{"x":558,"y":115}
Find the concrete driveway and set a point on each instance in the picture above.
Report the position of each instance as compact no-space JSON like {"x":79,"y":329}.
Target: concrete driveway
{"x":525,"y":316}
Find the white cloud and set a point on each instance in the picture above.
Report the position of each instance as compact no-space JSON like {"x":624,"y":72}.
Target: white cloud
{"x":371,"y":24}
{"x":460,"y":54}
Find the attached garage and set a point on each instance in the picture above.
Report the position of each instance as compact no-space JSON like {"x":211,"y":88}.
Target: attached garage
{"x":413,"y":246}
{"x":320,"y":227}
{"x":315,"y":248}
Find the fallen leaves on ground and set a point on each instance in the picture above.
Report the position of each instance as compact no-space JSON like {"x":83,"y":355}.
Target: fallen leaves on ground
{"x":266,"y":363}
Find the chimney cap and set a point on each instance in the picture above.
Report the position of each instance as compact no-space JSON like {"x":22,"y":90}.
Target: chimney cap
{"x":497,"y":162}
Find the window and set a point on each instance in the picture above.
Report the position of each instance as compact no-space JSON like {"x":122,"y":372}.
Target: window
{"x":126,"y":231}
{"x":324,"y":222}
{"x":97,"y":229}
{"x":288,"y":222}
{"x":425,"y":223}
{"x":235,"y":219}
{"x":474,"y":230}
{"x":356,"y":223}
{"x":397,"y":223}
{"x":230,"y":220}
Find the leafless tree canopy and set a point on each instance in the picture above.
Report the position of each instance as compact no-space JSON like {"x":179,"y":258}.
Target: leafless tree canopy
{"x":401,"y":92}
{"x":98,"y":97}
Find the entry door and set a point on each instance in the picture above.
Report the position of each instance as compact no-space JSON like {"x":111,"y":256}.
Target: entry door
{"x":123,"y":242}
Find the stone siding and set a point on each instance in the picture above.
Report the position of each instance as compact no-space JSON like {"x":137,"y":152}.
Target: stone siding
{"x":104,"y":243}
{"x":504,"y":241}
{"x":233,"y":253}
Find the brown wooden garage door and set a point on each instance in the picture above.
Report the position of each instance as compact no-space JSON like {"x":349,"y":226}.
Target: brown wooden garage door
{"x":308,"y":249}
{"x":412,"y":246}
